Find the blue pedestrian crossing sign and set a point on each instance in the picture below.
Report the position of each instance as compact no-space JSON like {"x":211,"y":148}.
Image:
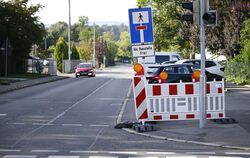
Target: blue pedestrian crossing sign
{"x":141,"y":26}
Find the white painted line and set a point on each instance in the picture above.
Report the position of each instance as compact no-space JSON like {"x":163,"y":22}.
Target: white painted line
{"x":236,"y":153}
{"x":181,"y":157}
{"x":123,"y":152}
{"x":44,"y":151}
{"x":20,"y":156}
{"x":115,"y":104}
{"x":62,"y":156}
{"x":10,"y":150}
{"x":17,"y":123}
{"x":161,"y":153}
{"x":78,"y":125}
{"x":42,"y":124}
{"x":103,"y":156}
{"x":201,"y":153}
{"x":223,"y":157}
{"x":99,"y":125}
{"x":143,"y":157}
{"x":3,"y":114}
{"x":97,"y":136}
{"x":84,"y":152}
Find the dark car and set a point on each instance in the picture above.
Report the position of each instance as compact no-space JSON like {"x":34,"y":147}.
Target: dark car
{"x":177,"y":72}
{"x":84,"y":69}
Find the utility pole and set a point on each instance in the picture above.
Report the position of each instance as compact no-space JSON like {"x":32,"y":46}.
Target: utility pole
{"x":6,"y":56}
{"x":94,"y":48}
{"x":203,"y":74}
{"x":69,"y":40}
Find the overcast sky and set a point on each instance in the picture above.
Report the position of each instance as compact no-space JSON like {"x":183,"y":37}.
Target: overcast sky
{"x":95,"y":10}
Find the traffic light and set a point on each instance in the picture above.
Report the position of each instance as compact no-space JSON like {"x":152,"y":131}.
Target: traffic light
{"x":194,"y":16}
{"x":210,"y":18}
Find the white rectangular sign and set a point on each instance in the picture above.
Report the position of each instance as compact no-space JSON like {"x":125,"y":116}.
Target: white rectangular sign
{"x":140,"y":17}
{"x":143,"y":50}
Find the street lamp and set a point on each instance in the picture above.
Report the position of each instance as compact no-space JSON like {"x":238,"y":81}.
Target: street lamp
{"x":69,"y":40}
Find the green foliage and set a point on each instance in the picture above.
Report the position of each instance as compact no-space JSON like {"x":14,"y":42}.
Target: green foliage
{"x":85,"y":50}
{"x":111,"y":53}
{"x":61,"y":52}
{"x":55,"y":31}
{"x":74,"y":53}
{"x":124,"y":49}
{"x":19,"y":23}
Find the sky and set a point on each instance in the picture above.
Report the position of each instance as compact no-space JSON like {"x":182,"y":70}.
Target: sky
{"x":96,"y":10}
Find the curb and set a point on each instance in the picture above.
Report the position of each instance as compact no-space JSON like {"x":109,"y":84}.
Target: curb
{"x":32,"y":84}
{"x":166,"y":138}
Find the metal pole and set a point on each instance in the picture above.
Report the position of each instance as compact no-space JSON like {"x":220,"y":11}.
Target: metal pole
{"x":203,"y":74}
{"x":94,"y":48}
{"x":69,"y":40}
{"x":6,"y":56}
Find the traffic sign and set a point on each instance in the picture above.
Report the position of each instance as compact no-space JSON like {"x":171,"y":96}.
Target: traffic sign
{"x":141,"y":25}
{"x":143,"y":50}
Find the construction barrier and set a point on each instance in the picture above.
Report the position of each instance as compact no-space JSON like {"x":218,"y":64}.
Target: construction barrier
{"x":176,"y":101}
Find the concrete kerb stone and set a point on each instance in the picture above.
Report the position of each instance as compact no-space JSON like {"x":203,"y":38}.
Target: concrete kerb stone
{"x":31,"y":84}
{"x":172,"y":139}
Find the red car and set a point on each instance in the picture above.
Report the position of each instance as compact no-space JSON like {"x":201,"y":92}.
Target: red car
{"x":84,"y":69}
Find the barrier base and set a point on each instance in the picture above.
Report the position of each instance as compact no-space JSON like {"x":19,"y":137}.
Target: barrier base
{"x":142,"y":128}
{"x":227,"y":120}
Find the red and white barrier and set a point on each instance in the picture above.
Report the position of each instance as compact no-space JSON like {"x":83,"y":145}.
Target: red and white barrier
{"x":177,"y":101}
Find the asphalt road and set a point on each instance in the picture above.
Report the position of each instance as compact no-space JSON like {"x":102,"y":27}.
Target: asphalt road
{"x":76,"y":117}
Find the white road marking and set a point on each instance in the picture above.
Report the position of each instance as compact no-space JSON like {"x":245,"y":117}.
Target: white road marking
{"x":10,"y":150}
{"x":123,"y":152}
{"x":42,"y":124}
{"x":61,"y":156}
{"x":20,"y":156}
{"x":201,"y":153}
{"x":61,"y":114}
{"x":115,"y":104}
{"x":236,"y":153}
{"x":78,"y":125}
{"x":3,"y":114}
{"x":103,"y":156}
{"x":17,"y":123}
{"x":182,"y":157}
{"x":161,"y":153}
{"x":84,"y":152}
{"x":223,"y":157}
{"x":98,"y":134}
{"x":143,"y":157}
{"x":44,"y":151}
{"x":99,"y":125}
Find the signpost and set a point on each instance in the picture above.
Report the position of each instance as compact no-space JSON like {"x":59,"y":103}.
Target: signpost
{"x":143,"y":50}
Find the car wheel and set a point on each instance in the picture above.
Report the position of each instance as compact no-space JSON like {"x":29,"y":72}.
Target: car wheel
{"x":77,"y":76}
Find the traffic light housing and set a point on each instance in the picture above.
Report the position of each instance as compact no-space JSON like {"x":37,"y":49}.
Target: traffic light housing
{"x":194,"y":16}
{"x":210,"y":18}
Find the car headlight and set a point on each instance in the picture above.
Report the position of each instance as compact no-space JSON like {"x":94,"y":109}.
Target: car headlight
{"x":77,"y":71}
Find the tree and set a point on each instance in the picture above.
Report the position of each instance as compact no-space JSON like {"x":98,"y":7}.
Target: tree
{"x":19,"y":23}
{"x":225,"y":37}
{"x":61,"y":52}
{"x":55,"y":31}
{"x":74,"y":52}
{"x":111,"y":53}
{"x":85,"y":50}
{"x":124,"y":47}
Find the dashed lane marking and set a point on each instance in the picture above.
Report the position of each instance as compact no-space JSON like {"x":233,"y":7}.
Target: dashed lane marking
{"x":78,"y":125}
{"x":201,"y":153}
{"x":161,"y":153}
{"x":84,"y":152}
{"x":20,"y":156}
{"x":99,"y":125}
{"x":236,"y":153}
{"x":103,"y":156}
{"x":9,"y":150}
{"x":63,"y":156}
{"x":42,"y":124}
{"x":223,"y":157}
{"x":3,"y":114}
{"x":123,"y":152}
{"x":44,"y":151}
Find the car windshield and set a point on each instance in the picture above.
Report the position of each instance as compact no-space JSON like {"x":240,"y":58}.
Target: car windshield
{"x":84,"y":66}
{"x":161,"y":58}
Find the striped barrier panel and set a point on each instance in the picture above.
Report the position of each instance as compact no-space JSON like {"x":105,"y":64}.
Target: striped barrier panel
{"x":177,"y":101}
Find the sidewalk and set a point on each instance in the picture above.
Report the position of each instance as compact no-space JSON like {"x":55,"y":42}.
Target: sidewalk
{"x":231,"y":136}
{"x":28,"y":83}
